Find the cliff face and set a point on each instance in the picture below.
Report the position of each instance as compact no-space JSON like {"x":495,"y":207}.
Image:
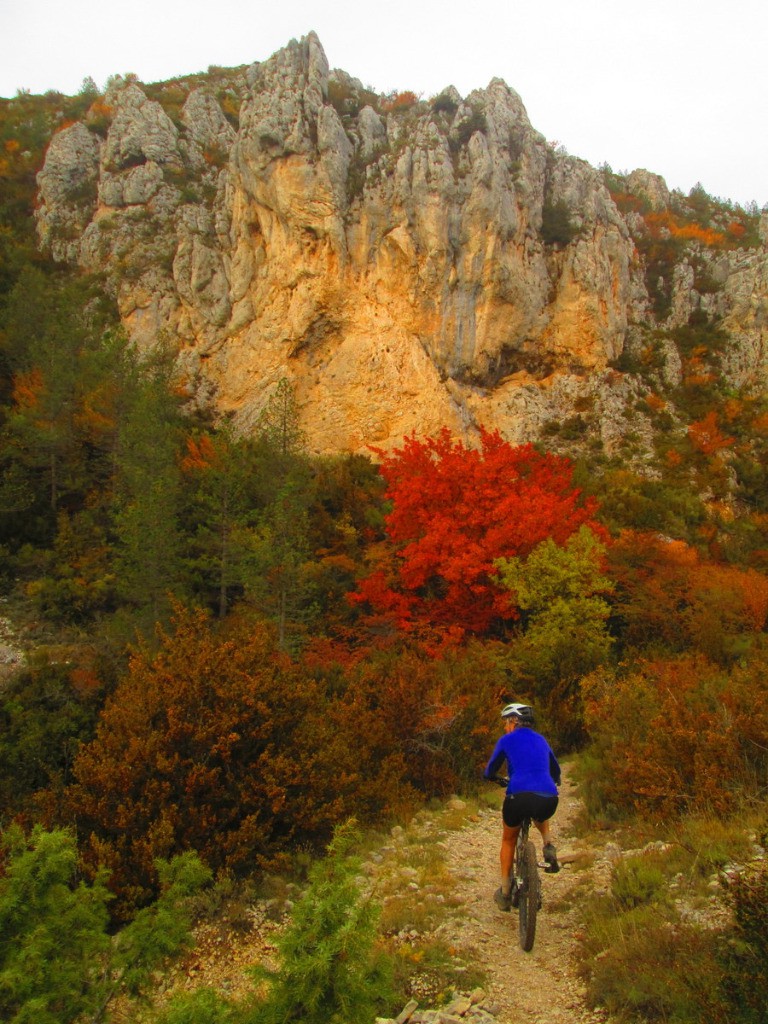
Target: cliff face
{"x":407,"y":267}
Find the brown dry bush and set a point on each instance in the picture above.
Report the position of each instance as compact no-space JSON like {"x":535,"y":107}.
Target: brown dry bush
{"x":677,"y":735}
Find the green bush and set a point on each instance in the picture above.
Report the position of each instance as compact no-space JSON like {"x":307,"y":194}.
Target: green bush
{"x":637,"y":881}
{"x":44,"y":718}
{"x":331,"y":969}
{"x":556,"y":225}
{"x":57,"y":960}
{"x":476,"y":122}
{"x":445,"y":103}
{"x":746,"y":952}
{"x":641,"y":965}
{"x":52,"y":933}
{"x":203,"y":1006}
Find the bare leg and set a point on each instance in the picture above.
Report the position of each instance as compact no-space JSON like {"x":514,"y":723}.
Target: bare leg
{"x":507,"y":858}
{"x":550,"y":854}
{"x":543,"y":827}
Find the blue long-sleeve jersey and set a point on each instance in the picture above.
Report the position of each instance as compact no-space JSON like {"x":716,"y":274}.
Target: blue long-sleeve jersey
{"x":532,"y":766}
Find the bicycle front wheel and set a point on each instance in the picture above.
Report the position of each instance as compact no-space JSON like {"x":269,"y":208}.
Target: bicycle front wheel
{"x":530,"y":893}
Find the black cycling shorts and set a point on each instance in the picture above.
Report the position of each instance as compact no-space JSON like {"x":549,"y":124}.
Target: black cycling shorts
{"x":527,"y":805}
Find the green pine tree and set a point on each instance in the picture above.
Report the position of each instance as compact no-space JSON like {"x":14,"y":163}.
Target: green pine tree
{"x":275,"y":576}
{"x":58,"y":963}
{"x":147,"y":489}
{"x":52,"y":329}
{"x":331,"y":971}
{"x":278,"y":424}
{"x":51,"y":931}
{"x":221,"y":470}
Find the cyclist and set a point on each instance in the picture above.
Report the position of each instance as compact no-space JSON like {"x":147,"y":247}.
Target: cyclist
{"x":534,"y":776}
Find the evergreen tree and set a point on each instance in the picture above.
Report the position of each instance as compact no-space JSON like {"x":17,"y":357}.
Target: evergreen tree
{"x":57,"y":960}
{"x":51,"y":931}
{"x":52,"y":331}
{"x":43,"y":720}
{"x":222,"y":472}
{"x":278,"y":424}
{"x":57,"y":424}
{"x":148,"y":488}
{"x":201,"y":1006}
{"x":276,"y":579}
{"x":330,"y":970}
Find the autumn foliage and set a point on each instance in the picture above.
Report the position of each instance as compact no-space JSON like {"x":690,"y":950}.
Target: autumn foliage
{"x":669,"y":597}
{"x":199,"y":747}
{"x":370,"y":619}
{"x":456,"y":510}
{"x":222,"y":744}
{"x":678,"y":735}
{"x":707,"y":437}
{"x":676,"y":227}
{"x":679,"y":724}
{"x":399,"y":101}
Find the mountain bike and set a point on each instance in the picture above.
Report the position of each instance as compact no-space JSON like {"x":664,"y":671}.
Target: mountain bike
{"x":525,"y":882}
{"x":526,"y":886}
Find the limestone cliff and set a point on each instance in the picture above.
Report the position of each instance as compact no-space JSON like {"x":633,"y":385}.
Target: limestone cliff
{"x":406,"y":264}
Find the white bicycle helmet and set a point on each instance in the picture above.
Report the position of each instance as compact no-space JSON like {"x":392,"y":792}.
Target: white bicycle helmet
{"x":522,"y":712}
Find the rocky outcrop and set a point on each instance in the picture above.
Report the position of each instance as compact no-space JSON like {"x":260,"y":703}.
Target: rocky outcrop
{"x":736,"y":293}
{"x":68,"y":185}
{"x":408,"y":265}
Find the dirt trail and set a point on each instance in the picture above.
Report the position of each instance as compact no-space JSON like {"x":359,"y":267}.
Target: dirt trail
{"x":540,"y":987}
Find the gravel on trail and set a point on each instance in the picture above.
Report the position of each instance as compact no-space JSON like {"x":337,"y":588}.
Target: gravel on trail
{"x":542,"y":986}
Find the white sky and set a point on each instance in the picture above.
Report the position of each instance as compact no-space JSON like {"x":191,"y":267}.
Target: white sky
{"x":679,"y":87}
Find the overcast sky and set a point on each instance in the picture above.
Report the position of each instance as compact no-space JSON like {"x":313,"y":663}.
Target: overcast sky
{"x":679,"y":87}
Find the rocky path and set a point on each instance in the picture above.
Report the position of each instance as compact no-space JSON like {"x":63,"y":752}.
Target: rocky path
{"x":540,"y":987}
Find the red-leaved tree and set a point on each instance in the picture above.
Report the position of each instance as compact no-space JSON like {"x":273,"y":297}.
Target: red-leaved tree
{"x":454,"y":511}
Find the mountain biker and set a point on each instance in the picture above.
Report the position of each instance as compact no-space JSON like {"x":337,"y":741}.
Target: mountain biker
{"x":534,"y":776}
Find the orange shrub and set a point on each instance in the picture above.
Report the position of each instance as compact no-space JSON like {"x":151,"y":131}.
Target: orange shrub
{"x":733,"y":409}
{"x":706,"y":436}
{"x":27,"y":388}
{"x":220,"y":743}
{"x":678,"y":735}
{"x":695,"y":233}
{"x":665,"y":222}
{"x":201,"y":454}
{"x":669,"y":598}
{"x":400,"y":101}
{"x":432,"y":713}
{"x":216,"y":743}
{"x":655,"y":402}
{"x":625,"y":201}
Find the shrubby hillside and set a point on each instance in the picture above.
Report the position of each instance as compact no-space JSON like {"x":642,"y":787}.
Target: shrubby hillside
{"x":328,"y":422}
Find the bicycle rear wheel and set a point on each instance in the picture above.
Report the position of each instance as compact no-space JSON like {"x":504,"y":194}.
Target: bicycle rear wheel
{"x":530,"y":893}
